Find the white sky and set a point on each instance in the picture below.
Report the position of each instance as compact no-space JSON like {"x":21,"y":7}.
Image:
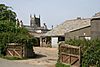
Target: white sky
{"x":53,"y":12}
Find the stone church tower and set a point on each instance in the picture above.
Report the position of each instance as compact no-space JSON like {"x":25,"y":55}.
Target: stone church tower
{"x":35,"y":21}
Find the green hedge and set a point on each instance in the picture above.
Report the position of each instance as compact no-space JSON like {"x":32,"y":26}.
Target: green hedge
{"x":90,"y":51}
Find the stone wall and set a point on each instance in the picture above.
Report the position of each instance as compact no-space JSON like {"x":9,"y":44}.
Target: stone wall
{"x":35,"y":22}
{"x":83,"y":32}
{"x":95,"y":27}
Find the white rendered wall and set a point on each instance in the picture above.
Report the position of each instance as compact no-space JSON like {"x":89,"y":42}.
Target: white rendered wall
{"x":38,"y":31}
{"x":54,"y":41}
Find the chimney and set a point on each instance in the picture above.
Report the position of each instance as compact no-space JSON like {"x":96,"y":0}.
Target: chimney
{"x":52,"y":26}
{"x":79,"y":18}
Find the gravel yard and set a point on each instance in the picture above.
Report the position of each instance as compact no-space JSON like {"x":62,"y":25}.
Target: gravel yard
{"x":46,"y":57}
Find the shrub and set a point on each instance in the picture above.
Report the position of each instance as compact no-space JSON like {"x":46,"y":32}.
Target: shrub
{"x":10,"y":32}
{"x":58,"y":64}
{"x":90,"y":51}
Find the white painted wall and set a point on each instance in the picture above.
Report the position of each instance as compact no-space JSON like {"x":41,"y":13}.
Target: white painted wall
{"x":88,"y":38}
{"x":38,"y":31}
{"x":54,"y":41}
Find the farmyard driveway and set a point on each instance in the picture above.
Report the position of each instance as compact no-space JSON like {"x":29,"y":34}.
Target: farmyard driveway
{"x":9,"y":63}
{"x":47,"y":57}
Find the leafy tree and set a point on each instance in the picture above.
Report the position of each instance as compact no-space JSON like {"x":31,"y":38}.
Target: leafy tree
{"x":9,"y":32}
{"x":6,"y":13}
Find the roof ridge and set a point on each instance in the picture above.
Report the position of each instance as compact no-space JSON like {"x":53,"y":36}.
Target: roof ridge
{"x":69,"y":25}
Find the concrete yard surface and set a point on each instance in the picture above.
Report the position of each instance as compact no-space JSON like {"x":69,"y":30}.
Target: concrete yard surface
{"x":46,"y":57}
{"x":11,"y":63}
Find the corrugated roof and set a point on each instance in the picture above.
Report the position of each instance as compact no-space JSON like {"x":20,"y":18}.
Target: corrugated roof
{"x":67,"y":26}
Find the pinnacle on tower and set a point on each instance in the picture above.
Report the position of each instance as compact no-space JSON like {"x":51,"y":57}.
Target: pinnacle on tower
{"x":34,"y":16}
{"x":39,"y":15}
{"x":30,"y":15}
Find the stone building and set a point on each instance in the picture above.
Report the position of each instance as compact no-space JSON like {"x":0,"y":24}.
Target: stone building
{"x":90,"y":31}
{"x":95,"y":26}
{"x":81,"y":30}
{"x":57,"y":34}
{"x":35,"y":21}
{"x":76,"y":28}
{"x":36,"y":29}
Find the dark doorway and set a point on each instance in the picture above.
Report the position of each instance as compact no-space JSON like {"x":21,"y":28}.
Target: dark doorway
{"x":38,"y":42}
{"x":61,"y":38}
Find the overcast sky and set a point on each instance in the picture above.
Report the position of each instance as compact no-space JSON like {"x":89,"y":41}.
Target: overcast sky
{"x":53,"y":12}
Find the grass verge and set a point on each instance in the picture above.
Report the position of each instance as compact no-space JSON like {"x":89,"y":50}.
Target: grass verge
{"x":11,"y":57}
{"x":58,"y":64}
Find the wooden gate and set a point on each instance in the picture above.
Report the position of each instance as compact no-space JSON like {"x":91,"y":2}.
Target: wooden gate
{"x":14,"y":50}
{"x":70,"y":55}
{"x":19,"y":50}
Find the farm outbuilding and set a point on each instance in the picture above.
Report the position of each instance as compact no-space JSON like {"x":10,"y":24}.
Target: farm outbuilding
{"x":79,"y":28}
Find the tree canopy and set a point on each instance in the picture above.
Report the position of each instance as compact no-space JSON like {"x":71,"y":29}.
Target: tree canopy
{"x":9,"y":32}
{"x":6,"y":13}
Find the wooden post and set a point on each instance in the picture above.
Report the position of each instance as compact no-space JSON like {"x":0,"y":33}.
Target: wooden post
{"x":41,"y":44}
{"x":70,"y":56}
{"x":80,"y":65}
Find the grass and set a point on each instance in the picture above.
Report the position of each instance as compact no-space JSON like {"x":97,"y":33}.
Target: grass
{"x":11,"y":57}
{"x":58,"y":64}
{"x":16,"y":58}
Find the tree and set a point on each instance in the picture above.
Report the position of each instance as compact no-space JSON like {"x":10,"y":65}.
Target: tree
{"x":6,"y":13}
{"x":9,"y":32}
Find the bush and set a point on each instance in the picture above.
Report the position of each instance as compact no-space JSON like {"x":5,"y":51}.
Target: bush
{"x":90,"y":51}
{"x":61,"y":65}
{"x":10,"y":32}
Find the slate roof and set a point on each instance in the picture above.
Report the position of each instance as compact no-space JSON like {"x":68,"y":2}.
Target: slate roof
{"x":29,"y":28}
{"x":97,"y":15}
{"x":69,"y":25}
{"x":34,"y":32}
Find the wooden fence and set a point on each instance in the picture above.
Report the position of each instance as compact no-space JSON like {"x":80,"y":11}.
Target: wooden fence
{"x":69,"y":54}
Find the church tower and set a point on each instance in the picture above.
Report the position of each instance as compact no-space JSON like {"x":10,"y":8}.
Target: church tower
{"x":35,"y":21}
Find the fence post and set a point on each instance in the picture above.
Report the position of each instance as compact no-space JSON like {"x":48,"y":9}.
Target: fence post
{"x":0,"y":50}
{"x":59,"y":51}
{"x":80,"y":61}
